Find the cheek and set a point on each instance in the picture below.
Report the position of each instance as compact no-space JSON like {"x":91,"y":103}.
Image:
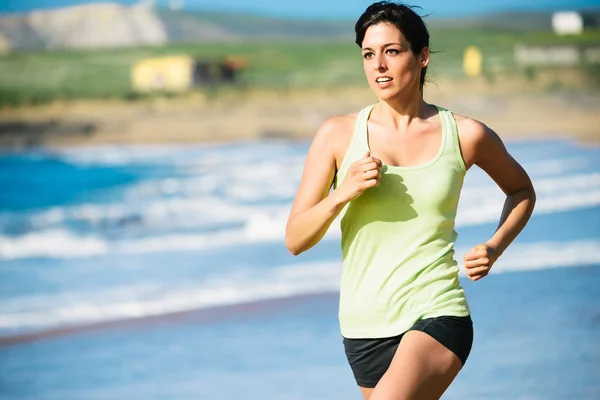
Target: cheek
{"x":369,"y":68}
{"x":408,"y":69}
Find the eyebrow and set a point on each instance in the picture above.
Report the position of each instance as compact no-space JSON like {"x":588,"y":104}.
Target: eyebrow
{"x":385,"y":45}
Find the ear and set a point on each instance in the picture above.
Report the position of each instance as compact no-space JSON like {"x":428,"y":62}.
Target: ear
{"x":424,"y":57}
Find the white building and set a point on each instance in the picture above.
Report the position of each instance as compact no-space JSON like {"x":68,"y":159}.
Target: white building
{"x":567,"y":23}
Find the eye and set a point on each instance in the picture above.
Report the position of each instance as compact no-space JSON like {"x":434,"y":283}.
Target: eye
{"x":367,"y":55}
{"x":393,"y":51}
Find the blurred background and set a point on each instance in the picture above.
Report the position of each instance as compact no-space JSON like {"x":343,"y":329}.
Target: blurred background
{"x":149,"y":156}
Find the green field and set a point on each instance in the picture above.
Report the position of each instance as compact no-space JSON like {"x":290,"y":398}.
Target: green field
{"x":44,"y":76}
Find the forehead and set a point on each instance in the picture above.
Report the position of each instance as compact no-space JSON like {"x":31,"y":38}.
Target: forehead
{"x":382,"y":33}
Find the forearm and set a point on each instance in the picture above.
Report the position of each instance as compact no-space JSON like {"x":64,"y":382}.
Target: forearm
{"x":308,"y":227}
{"x":515,"y":214}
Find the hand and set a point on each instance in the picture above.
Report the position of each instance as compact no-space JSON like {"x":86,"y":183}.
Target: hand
{"x":479,"y":261}
{"x":362,"y":174}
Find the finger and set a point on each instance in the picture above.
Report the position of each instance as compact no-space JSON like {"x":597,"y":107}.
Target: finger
{"x":371,"y":174}
{"x":357,"y":168}
{"x":370,"y":183}
{"x":369,"y":167}
{"x":367,"y":160}
{"x":476,"y":271}
{"x":480,"y":249}
{"x":478,"y":277}
{"x":366,"y":156}
{"x":470,"y":256}
{"x":475,"y":254}
{"x":477,"y":263}
{"x":363,"y":161}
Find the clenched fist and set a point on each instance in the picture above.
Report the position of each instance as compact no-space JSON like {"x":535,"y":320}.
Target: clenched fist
{"x":479,"y":261}
{"x":362,"y":175}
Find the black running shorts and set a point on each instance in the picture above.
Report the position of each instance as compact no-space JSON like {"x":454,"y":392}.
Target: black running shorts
{"x":370,"y":358}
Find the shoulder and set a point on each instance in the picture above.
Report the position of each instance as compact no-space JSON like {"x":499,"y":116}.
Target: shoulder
{"x":337,"y":125}
{"x":335,"y":135}
{"x":470,"y":129}
{"x":475,"y":138}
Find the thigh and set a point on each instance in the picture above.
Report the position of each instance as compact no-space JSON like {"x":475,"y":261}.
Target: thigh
{"x":366,"y":392}
{"x":422,"y":369}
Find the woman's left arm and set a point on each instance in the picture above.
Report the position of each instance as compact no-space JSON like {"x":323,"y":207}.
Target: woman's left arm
{"x":481,"y":146}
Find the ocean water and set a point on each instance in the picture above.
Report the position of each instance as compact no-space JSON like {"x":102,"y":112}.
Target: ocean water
{"x":159,"y":272}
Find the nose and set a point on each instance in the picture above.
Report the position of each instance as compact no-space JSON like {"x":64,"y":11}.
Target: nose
{"x":380,"y":64}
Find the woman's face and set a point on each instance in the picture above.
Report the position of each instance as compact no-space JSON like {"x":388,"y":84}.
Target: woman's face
{"x":390,"y":65}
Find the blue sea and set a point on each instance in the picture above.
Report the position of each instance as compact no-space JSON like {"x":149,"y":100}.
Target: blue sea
{"x":160,"y":272}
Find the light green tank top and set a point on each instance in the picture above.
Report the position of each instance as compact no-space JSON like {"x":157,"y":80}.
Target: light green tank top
{"x":398,"y":241}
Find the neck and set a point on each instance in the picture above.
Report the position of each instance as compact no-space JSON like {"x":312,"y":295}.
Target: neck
{"x":399,"y":112}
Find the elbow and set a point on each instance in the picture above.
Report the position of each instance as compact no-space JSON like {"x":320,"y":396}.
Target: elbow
{"x":531,"y":196}
{"x":295,"y":251}
{"x":292,"y":247}
{"x":526,"y":193}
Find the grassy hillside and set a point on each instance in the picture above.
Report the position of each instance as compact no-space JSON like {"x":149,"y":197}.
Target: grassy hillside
{"x":283,"y":64}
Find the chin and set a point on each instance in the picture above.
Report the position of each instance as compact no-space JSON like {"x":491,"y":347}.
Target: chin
{"x":386,"y":94}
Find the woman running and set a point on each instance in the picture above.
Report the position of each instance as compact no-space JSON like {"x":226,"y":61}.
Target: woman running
{"x":397,"y":169}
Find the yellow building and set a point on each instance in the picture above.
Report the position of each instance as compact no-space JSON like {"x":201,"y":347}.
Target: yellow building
{"x":472,"y":61}
{"x":5,"y":46}
{"x":181,"y":73}
{"x":170,"y":74}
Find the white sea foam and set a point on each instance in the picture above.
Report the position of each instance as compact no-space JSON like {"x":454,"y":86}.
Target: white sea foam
{"x":545,"y":255}
{"x":52,"y":244}
{"x":163,"y":215}
{"x":260,"y":224}
{"x":65,"y":310}
{"x":230,"y":192}
{"x":556,"y":166}
{"x":209,"y":154}
{"x":237,"y":288}
{"x":259,"y":228}
{"x":489,"y":210}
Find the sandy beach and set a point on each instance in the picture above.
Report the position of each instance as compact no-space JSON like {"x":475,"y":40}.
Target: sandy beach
{"x":510,"y":108}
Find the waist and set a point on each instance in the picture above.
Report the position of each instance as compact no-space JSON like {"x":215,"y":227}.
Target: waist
{"x":385,"y":296}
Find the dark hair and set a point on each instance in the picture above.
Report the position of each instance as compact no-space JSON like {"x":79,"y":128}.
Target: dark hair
{"x":402,"y":17}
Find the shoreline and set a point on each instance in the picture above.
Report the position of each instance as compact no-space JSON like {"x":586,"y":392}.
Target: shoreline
{"x":511,"y":111}
{"x":205,"y":315}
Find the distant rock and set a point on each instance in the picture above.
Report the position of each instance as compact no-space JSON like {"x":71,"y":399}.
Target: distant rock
{"x":19,"y":34}
{"x":84,"y":26}
{"x":97,"y":25}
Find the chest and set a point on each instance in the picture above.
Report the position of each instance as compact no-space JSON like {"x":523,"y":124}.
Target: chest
{"x":406,"y":148}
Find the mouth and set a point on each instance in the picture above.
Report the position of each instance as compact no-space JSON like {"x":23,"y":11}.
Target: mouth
{"x":384,"y":81}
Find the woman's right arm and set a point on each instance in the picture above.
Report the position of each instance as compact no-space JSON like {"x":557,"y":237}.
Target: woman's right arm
{"x":314,"y":208}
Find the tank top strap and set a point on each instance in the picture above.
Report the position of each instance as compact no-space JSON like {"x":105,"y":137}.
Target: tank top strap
{"x":450,"y":131}
{"x":358,"y":144}
{"x":360,"y":128}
